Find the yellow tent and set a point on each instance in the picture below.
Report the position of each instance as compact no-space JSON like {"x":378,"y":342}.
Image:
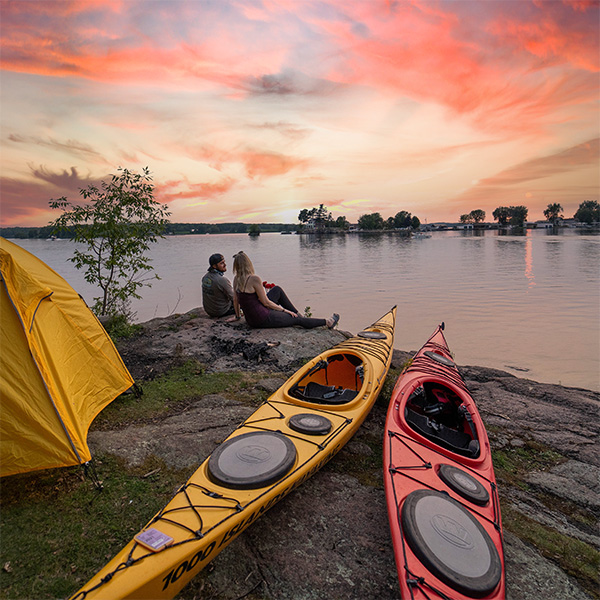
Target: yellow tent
{"x":58,"y":367}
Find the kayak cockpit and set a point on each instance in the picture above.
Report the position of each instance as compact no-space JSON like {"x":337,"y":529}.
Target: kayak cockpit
{"x":439,"y":414}
{"x":336,"y":379}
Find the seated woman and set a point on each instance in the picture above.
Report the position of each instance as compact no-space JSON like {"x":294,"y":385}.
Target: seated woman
{"x":267,"y":310}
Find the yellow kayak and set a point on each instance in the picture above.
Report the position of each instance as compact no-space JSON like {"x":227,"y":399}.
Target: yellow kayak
{"x":285,"y":441}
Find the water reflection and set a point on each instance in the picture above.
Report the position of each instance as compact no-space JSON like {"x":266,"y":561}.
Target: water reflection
{"x":325,"y":242}
{"x":497,"y":293}
{"x":513,"y":231}
{"x":589,"y":258}
{"x":473,"y":233}
{"x":371,"y":240}
{"x":529,"y":261}
{"x":554,"y":252}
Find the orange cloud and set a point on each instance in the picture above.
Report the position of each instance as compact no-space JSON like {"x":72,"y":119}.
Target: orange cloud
{"x":270,"y":164}
{"x":170,"y":191}
{"x":505,"y":186}
{"x":257,"y":163}
{"x":571,"y":159}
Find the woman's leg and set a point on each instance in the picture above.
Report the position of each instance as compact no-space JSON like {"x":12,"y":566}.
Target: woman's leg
{"x":281,"y":319}
{"x":277,"y":295}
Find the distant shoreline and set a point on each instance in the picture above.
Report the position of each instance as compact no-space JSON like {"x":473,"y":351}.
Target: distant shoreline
{"x":180,"y":229}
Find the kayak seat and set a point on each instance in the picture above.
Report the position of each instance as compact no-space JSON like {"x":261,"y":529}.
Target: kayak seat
{"x":451,"y":439}
{"x":327,"y":394}
{"x":344,"y":369}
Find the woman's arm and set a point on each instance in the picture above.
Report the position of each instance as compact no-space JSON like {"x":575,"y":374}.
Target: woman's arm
{"x":258,"y":287}
{"x":236,"y":302}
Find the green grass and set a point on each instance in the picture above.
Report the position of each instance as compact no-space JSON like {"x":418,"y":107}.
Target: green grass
{"x":388,"y":387}
{"x":58,"y":530}
{"x":119,"y":327}
{"x":576,"y":558}
{"x":512,"y":464}
{"x":171,"y":392}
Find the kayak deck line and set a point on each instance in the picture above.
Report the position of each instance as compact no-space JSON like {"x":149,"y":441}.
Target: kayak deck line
{"x":403,"y":439}
{"x":190,"y":490}
{"x":321,"y":445}
{"x":215,"y":505}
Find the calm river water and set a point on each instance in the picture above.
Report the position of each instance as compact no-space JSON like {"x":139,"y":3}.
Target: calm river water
{"x":526,"y":304}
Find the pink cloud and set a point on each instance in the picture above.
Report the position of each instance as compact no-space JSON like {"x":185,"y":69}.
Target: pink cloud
{"x":527,"y":68}
{"x":26,"y":200}
{"x":484,"y":67}
{"x":551,"y":36}
{"x":23,"y":202}
{"x":72,"y":147}
{"x":108,"y":42}
{"x":66,"y":180}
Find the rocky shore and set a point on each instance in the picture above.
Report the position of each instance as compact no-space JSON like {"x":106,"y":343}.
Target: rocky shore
{"x":330,"y":538}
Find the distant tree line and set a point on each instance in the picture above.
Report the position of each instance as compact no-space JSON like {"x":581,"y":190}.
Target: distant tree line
{"x":24,"y":233}
{"x":588,"y":212}
{"x":170,"y":229}
{"x":475,"y":216}
{"x":322,"y":220}
{"x":401,"y":220}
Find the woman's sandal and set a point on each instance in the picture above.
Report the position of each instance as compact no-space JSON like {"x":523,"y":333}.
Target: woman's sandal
{"x":335,"y":319}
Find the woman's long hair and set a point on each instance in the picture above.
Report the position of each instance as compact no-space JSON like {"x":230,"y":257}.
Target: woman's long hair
{"x":242,"y":269}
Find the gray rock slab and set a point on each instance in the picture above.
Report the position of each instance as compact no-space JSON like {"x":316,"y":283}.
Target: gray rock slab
{"x":182,"y":440}
{"x":573,"y":480}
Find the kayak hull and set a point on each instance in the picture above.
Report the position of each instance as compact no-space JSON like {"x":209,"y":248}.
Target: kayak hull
{"x":283,"y":443}
{"x":441,"y":491}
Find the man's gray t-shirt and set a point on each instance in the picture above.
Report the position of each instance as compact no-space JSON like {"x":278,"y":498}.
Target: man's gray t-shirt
{"x":217,"y":294}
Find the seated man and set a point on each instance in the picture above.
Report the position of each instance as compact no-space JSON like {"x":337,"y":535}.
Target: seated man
{"x":217,"y":293}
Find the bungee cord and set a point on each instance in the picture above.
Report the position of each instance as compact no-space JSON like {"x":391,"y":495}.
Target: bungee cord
{"x":414,"y":581}
{"x":427,"y":465}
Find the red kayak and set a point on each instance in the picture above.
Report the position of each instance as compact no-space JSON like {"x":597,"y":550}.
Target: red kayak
{"x":440,"y":486}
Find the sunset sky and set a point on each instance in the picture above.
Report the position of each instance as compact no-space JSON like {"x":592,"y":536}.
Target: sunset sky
{"x":251,"y":110}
